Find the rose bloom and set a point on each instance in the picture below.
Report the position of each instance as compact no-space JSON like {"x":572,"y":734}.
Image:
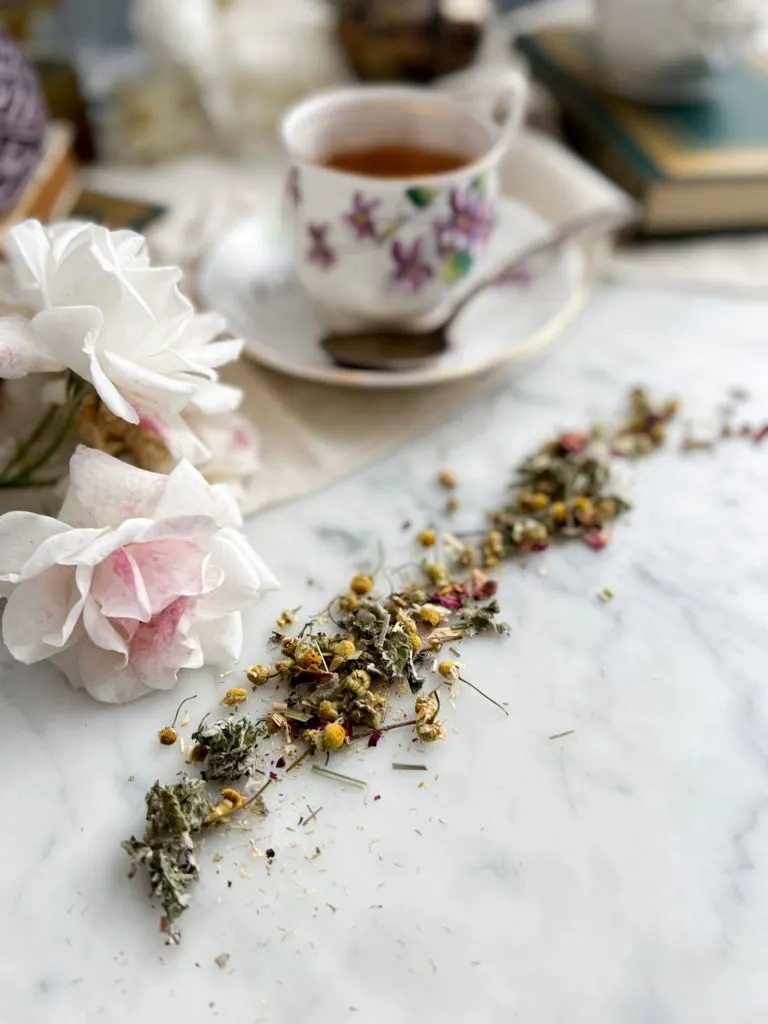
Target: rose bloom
{"x":99,"y":309}
{"x":140,"y":576}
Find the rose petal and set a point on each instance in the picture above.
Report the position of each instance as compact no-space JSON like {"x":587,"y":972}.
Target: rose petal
{"x":246,"y":577}
{"x":161,"y":647}
{"x":119,"y":589}
{"x":41,"y":615}
{"x":221,"y":639}
{"x":169,"y":569}
{"x":21,"y":534}
{"x":101,"y":631}
{"x":104,"y":674}
{"x":186,"y":489}
{"x":104,"y":491}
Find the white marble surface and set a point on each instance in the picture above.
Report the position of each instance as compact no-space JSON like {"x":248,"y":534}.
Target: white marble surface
{"x":616,"y":876}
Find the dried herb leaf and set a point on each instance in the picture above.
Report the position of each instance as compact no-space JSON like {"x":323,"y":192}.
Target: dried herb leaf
{"x":228,"y":748}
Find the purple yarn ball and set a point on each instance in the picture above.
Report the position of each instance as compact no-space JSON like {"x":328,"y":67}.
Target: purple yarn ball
{"x":22,"y":122}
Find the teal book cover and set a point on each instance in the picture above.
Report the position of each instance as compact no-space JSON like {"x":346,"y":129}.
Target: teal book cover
{"x":725,"y":138}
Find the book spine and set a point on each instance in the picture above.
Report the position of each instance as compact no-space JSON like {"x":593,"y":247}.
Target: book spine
{"x":611,"y":161}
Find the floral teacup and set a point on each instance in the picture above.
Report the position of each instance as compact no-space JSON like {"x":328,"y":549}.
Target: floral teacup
{"x":395,"y":249}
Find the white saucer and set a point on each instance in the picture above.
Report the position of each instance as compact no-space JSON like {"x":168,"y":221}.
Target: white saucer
{"x":241,"y":278}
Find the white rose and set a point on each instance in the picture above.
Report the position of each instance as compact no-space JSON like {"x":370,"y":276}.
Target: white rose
{"x":103,"y":312}
{"x":142,"y":575}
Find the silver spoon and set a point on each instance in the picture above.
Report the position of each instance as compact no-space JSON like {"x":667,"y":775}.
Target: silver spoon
{"x":395,"y":349}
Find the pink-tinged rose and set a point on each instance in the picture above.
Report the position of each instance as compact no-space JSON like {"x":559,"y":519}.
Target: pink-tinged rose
{"x":98,"y":308}
{"x":140,"y":576}
{"x":233,"y":442}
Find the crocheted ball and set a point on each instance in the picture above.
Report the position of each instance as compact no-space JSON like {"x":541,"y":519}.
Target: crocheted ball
{"x":22,"y":122}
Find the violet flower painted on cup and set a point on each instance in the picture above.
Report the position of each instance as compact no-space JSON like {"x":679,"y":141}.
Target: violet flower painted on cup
{"x":360,"y":217}
{"x":320,"y":251}
{"x":470,"y":223}
{"x":411,"y":272}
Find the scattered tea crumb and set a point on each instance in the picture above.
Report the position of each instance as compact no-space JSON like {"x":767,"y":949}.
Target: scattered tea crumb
{"x":561,"y":735}
{"x":606,"y":595}
{"x":451,"y":506}
{"x":404,"y":767}
{"x":131,"y":778}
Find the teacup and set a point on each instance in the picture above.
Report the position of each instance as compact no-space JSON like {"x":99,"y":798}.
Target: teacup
{"x":372,"y":248}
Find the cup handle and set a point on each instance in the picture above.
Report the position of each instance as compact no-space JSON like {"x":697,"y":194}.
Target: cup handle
{"x":499,"y":97}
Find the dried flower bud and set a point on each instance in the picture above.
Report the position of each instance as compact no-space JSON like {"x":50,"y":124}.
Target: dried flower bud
{"x":532,"y":501}
{"x":348,"y":602}
{"x":344,"y":649}
{"x":449,"y":669}
{"x":429,"y":732}
{"x":289,"y":644}
{"x":232,"y":801}
{"x":452,"y":506}
{"x":430,"y":615}
{"x":435,"y":573}
{"x":447,"y":479}
{"x":583,"y":506}
{"x":327,"y":711}
{"x":607,"y":508}
{"x":168,"y":736}
{"x":286,"y":618}
{"x":358,"y":681}
{"x":233,"y":698}
{"x":334,"y":736}
{"x":361,"y":584}
{"x":493,"y":548}
{"x":559,"y":511}
{"x":415,"y":641}
{"x":285,"y":666}
{"x":309,"y":658}
{"x":427,"y":538}
{"x":314,"y":737}
{"x":258,"y":675}
{"x":427,"y":707}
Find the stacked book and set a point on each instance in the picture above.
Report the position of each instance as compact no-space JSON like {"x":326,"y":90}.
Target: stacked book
{"x":694,"y":168}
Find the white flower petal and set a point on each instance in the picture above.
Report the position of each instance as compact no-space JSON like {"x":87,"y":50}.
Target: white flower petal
{"x":41,"y":615}
{"x":186,"y":489}
{"x":104,"y":491}
{"x":217,"y":398}
{"x":246,"y":577}
{"x":101,"y":631}
{"x":19,"y":355}
{"x":104,"y":674}
{"x":221,"y":639}
{"x":21,"y":534}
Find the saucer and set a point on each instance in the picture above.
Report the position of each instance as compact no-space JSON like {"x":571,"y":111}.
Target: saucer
{"x":247,"y":278}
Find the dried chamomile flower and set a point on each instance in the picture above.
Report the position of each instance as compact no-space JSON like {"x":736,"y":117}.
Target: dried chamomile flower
{"x":287,"y":618}
{"x":334,"y":736}
{"x":358,"y":681}
{"x":427,"y":538}
{"x":168,"y":735}
{"x":493,"y":549}
{"x":258,"y":675}
{"x":431,"y":615}
{"x":344,"y":649}
{"x":427,"y":706}
{"x":235,"y":697}
{"x":361,"y":584}
{"x":327,"y":711}
{"x":348,"y":602}
{"x":435,"y":573}
{"x":429,"y":732}
{"x":309,"y":657}
{"x":450,"y":669}
{"x":447,"y":479}
{"x":231,"y":801}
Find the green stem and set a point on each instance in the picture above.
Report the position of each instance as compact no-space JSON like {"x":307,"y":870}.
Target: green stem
{"x":42,"y":426}
{"x":22,"y":476}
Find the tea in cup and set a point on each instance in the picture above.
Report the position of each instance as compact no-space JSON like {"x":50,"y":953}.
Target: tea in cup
{"x":392,"y":196}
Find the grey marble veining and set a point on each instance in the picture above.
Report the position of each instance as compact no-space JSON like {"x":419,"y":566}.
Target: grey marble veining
{"x":618,"y":875}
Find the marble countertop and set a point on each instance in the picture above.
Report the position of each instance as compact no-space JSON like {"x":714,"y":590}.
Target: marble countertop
{"x":618,"y":875}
